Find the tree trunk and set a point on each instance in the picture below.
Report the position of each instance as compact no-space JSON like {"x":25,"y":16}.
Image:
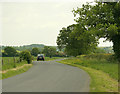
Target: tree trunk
{"x":116,"y":46}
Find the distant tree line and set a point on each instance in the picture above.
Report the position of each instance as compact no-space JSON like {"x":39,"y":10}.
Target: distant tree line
{"x":92,"y":23}
{"x":49,"y":51}
{"x":29,"y":54}
{"x":26,"y":47}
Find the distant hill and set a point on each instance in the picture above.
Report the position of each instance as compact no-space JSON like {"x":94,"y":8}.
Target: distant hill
{"x":29,"y":47}
{"x":41,"y":46}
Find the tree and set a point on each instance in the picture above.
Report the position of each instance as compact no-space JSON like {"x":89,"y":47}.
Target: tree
{"x":26,"y":55}
{"x":49,"y":51}
{"x":10,"y":51}
{"x":75,"y":40}
{"x":102,"y":20}
{"x":35,"y":51}
{"x":0,"y":53}
{"x":93,"y":22}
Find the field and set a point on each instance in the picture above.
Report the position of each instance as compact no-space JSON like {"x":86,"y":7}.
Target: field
{"x":105,"y":63}
{"x":11,"y":66}
{"x":102,"y":68}
{"x":11,"y":62}
{"x":16,"y":71}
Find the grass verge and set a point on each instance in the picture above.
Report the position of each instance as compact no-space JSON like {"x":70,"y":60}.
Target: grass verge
{"x":100,"y":81}
{"x":13,"y":72}
{"x":8,"y":63}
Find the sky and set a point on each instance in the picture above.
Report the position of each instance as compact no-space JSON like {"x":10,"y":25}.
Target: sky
{"x":25,"y":22}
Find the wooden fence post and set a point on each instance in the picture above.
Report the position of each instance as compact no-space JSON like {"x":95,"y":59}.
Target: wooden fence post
{"x":2,"y":62}
{"x":14,"y":59}
{"x":8,"y":61}
{"x":14,"y":62}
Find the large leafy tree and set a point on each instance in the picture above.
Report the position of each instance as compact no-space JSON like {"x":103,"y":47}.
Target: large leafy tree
{"x":75,"y":40}
{"x":102,"y":20}
{"x":63,"y":38}
{"x":49,"y":51}
{"x":10,"y":51}
{"x":35,"y":51}
{"x":93,"y":22}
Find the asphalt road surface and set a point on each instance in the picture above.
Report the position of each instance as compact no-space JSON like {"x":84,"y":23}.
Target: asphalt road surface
{"x":48,"y":76}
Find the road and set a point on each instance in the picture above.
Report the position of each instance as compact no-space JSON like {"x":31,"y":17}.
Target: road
{"x":48,"y":76}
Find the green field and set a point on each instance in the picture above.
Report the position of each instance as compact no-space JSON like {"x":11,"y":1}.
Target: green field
{"x":102,"y":69}
{"x":10,"y":62}
{"x":15,"y":72}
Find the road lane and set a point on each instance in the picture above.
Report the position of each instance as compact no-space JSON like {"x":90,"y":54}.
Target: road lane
{"x":48,"y":76}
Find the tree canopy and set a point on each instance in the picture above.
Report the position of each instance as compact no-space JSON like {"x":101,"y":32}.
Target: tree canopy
{"x":10,"y":51}
{"x":35,"y":51}
{"x":92,"y":22}
{"x":49,"y":51}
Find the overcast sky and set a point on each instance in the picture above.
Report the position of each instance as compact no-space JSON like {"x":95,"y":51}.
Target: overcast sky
{"x":36,"y":21}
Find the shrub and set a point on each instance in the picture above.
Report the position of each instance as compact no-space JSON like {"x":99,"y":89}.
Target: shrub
{"x":100,"y":56}
{"x":26,"y":55}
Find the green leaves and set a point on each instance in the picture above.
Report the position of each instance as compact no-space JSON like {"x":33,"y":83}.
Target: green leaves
{"x":93,"y":22}
{"x":10,"y":51}
{"x":76,"y":40}
{"x":112,"y":30}
{"x":49,"y":51}
{"x":26,"y":55}
{"x":35,"y":51}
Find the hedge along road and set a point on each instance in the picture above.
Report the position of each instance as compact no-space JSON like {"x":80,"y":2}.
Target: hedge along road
{"x":48,"y":76}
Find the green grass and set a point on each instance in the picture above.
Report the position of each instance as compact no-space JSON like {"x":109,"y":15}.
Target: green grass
{"x":15,"y":72}
{"x":103,"y":73}
{"x":103,"y":65}
{"x":8,"y":63}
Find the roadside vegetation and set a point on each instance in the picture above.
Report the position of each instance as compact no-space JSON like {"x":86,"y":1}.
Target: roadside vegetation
{"x":11,"y":62}
{"x":92,"y":23}
{"x":12,"y":66}
{"x":16,"y":71}
{"x":103,"y":62}
{"x":14,"y":62}
{"x":102,"y":68}
{"x":81,"y":40}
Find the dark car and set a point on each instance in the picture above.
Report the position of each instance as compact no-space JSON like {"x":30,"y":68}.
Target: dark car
{"x":40,"y":57}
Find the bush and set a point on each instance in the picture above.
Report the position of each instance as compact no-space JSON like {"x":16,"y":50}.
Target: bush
{"x":100,"y":56}
{"x":26,"y":55}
